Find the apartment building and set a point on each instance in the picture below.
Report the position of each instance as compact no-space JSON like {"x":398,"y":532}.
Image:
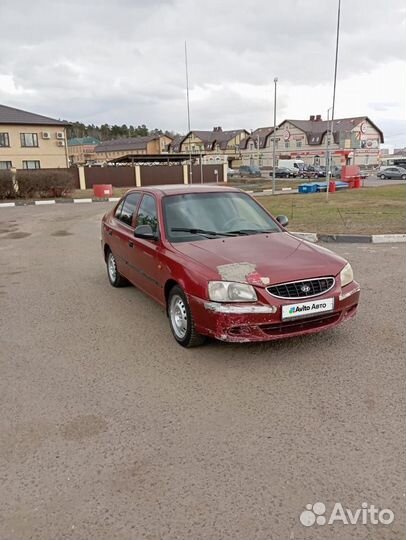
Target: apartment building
{"x":212,"y":145}
{"x":82,"y":150}
{"x":355,"y":139}
{"x":119,"y":148}
{"x":31,"y":141}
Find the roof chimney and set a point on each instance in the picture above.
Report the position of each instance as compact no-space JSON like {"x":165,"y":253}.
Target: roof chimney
{"x":312,"y":118}
{"x":318,"y":118}
{"x":217,"y":128}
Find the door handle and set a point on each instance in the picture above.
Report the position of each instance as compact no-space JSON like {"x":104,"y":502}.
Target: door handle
{"x":131,"y":244}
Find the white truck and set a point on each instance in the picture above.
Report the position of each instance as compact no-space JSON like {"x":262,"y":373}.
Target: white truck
{"x":295,"y":165}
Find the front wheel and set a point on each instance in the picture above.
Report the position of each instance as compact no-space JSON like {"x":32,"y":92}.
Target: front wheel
{"x":181,"y":320}
{"x":382,"y":177}
{"x":403,"y":176}
{"x":115,"y":278}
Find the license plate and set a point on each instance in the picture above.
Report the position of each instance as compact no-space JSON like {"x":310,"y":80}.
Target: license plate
{"x":304,"y":309}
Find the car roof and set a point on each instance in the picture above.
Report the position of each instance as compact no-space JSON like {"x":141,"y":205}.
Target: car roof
{"x":183,"y":189}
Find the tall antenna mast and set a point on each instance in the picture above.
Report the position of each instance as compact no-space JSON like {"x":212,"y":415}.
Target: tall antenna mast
{"x":188,"y":115}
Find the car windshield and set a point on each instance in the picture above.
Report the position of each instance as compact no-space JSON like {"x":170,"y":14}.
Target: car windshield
{"x":197,"y":216}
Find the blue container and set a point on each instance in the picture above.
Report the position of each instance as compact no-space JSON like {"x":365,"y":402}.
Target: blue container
{"x":321,"y":186}
{"x":307,"y":188}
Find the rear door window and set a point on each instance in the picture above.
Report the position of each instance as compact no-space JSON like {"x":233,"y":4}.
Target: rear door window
{"x":125,"y":211}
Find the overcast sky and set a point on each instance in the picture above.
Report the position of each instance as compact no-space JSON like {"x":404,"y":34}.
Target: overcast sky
{"x":122,"y":61}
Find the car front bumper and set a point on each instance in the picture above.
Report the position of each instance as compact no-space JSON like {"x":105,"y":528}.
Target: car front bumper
{"x":262,"y":321}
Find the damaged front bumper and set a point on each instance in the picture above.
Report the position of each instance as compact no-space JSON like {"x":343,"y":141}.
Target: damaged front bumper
{"x":262,"y":320}
{"x":218,"y":307}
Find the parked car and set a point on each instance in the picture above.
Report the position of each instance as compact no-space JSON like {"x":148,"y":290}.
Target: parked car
{"x":250,"y":170}
{"x":284,"y":172}
{"x":232,"y":172}
{"x":222,"y":266}
{"x":335,"y":172}
{"x":392,"y":172}
{"x":312,"y":172}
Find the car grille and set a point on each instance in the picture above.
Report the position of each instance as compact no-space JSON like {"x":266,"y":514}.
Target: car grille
{"x":302,"y":289}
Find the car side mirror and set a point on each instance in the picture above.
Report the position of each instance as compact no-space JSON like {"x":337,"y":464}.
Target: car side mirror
{"x":282,"y":220}
{"x":145,"y":232}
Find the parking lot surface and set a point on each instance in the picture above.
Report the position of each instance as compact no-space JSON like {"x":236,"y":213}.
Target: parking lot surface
{"x":110,"y":430}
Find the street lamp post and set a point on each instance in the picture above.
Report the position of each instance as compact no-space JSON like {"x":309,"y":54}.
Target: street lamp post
{"x":201,"y":167}
{"x":258,"y":150}
{"x":274,"y":141}
{"x":329,"y":132}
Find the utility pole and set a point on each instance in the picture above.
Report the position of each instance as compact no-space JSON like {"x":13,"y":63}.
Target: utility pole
{"x":274,"y":139}
{"x":334,"y":86}
{"x":188,"y":115}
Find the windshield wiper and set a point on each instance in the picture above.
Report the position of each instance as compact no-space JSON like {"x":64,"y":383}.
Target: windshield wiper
{"x":203,"y":232}
{"x":247,"y":232}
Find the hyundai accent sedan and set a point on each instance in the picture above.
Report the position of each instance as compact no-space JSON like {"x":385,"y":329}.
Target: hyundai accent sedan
{"x":224,"y":267}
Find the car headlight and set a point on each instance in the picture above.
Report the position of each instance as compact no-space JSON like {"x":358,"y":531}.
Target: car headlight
{"x":230,"y":291}
{"x":346,"y":275}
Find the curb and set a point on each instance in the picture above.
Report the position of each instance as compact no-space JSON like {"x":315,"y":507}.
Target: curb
{"x":56,"y":201}
{"x":352,"y":238}
{"x":262,"y":192}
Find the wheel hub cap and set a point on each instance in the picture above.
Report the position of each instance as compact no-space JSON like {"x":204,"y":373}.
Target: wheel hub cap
{"x":178,"y":316}
{"x":112,"y":267}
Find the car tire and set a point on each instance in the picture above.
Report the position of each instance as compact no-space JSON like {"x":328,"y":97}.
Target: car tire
{"x":181,"y":320}
{"x":382,"y":177}
{"x":115,"y":278}
{"x":403,"y":177}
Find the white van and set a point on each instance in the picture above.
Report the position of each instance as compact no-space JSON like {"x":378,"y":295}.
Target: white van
{"x":295,"y":165}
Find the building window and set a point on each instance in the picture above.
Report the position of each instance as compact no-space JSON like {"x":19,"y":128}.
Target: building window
{"x":29,"y":139}
{"x":31,"y":164}
{"x":286,"y":144}
{"x":298,"y":144}
{"x":4,"y":139}
{"x":5,"y":165}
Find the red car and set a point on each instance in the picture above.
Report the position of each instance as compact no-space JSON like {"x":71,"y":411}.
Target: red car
{"x":223,"y":267}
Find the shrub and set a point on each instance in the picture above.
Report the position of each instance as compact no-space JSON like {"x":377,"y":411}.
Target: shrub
{"x":6,"y":185}
{"x":44,"y":183}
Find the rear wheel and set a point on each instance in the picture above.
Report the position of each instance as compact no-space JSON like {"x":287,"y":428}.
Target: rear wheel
{"x":403,"y":176}
{"x":181,"y":320}
{"x":382,"y":177}
{"x":115,"y":278}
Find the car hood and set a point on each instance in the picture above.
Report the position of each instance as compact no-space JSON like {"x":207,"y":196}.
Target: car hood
{"x":263,"y":259}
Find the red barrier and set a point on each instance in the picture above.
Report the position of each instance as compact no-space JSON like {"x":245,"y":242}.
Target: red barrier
{"x":357,"y":183}
{"x":101,"y":191}
{"x":332,"y":186}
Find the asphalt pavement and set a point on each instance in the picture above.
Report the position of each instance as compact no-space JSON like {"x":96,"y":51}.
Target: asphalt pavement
{"x":110,"y":430}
